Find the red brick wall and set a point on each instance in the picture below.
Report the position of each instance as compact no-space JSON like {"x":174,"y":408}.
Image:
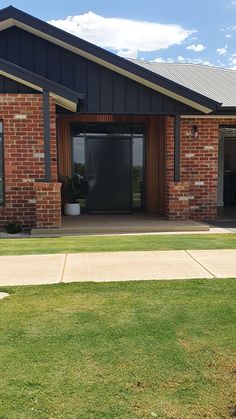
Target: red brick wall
{"x":22,"y":116}
{"x":196,"y":195}
{"x":48,"y":204}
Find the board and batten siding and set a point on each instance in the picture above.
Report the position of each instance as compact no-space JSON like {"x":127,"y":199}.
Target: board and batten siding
{"x":105,"y":90}
{"x":154,"y":152}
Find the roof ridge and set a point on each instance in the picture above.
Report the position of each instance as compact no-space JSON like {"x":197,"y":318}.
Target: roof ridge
{"x":214,"y":67}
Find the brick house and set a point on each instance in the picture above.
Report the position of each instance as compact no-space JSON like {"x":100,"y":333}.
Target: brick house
{"x":148,"y":137}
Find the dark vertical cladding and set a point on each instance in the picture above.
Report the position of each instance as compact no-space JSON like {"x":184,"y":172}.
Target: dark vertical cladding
{"x":177,"y":149}
{"x":46,"y":127}
{"x":106,"y":91}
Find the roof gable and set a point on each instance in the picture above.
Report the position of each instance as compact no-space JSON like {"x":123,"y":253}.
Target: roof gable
{"x":105,"y":90}
{"x":11,"y":16}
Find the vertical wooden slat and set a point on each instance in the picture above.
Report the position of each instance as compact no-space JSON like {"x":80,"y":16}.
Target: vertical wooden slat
{"x":155,"y":164}
{"x":64,"y":148}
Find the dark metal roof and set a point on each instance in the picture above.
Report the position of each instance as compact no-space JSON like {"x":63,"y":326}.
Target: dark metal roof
{"x":217,"y":83}
{"x":25,"y":76}
{"x":117,"y":63}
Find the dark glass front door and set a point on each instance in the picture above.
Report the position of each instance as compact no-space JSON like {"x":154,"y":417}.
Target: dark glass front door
{"x":110,"y":158}
{"x":109,"y":174}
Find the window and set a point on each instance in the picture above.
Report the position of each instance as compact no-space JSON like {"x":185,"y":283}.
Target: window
{"x":137,"y":171}
{"x":1,"y":165}
{"x":79,"y":156}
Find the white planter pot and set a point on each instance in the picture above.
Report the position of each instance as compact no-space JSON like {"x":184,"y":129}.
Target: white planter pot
{"x":72,"y":209}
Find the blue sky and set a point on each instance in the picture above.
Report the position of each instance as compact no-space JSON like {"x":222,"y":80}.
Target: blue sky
{"x":202,"y":31}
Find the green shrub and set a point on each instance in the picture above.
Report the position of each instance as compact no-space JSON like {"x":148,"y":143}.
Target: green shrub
{"x":13,"y":227}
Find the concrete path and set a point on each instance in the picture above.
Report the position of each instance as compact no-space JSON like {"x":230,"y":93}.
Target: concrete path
{"x":31,"y":270}
{"x":117,"y":266}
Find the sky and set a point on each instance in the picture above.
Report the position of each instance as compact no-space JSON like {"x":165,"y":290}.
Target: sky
{"x":196,"y":31}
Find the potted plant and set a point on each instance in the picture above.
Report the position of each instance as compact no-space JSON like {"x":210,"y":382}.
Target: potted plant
{"x":72,"y":189}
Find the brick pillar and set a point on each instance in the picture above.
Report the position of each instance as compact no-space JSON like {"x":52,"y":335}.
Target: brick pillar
{"x":179,"y":199}
{"x":195,"y":196}
{"x":48,"y":204}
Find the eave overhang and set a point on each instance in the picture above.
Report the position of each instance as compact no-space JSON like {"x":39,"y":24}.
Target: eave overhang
{"x":11,"y":16}
{"x":63,"y":96}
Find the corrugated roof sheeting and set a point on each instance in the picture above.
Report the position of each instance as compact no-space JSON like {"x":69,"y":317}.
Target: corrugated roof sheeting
{"x":216,"y":83}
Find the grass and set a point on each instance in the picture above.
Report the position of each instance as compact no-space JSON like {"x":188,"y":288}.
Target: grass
{"x":116,"y":243}
{"x":119,"y":350}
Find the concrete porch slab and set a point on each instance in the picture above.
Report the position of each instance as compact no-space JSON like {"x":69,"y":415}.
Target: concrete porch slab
{"x":127,"y":266}
{"x":118,"y":224}
{"x":31,"y":269}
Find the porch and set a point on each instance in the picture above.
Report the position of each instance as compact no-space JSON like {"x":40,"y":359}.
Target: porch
{"x":118,"y":224}
{"x":131,"y":165}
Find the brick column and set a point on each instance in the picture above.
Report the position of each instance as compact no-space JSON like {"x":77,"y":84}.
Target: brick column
{"x":23,"y":142}
{"x":195,"y":196}
{"x":179,"y":199}
{"x":48,"y":204}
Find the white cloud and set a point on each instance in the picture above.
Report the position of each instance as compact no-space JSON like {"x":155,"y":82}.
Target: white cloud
{"x":159,"y":60}
{"x":228,"y":35}
{"x":232,"y":3}
{"x":162,"y":60}
{"x":128,"y":53}
{"x":188,"y":60}
{"x":232,"y":61}
{"x":222,"y":51}
{"x":229,"y":28}
{"x":124,"y":36}
{"x":202,"y":62}
{"x":196,"y":48}
{"x":185,"y":60}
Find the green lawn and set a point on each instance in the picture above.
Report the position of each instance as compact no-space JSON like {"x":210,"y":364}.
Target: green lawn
{"x":119,"y":350}
{"x":116,"y":243}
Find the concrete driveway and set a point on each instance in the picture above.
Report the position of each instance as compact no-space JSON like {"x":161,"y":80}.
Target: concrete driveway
{"x":117,"y":266}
